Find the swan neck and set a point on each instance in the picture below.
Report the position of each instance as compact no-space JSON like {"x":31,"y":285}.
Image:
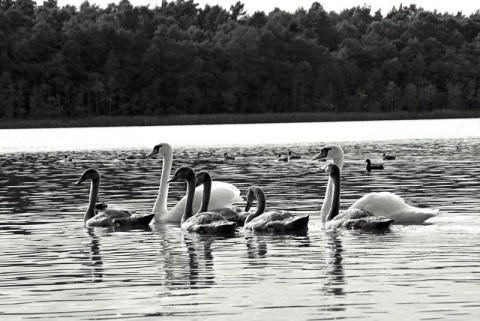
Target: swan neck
{"x":160,"y":206}
{"x":327,"y":202}
{"x":189,"y":203}
{"x":335,"y":204}
{"x":261,"y":205}
{"x":338,"y":161}
{"x":94,"y":187}
{"x":207,"y":189}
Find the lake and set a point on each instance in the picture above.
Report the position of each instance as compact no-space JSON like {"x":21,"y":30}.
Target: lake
{"x":54,"y":268}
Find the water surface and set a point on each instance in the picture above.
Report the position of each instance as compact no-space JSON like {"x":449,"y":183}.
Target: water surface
{"x":52,"y":267}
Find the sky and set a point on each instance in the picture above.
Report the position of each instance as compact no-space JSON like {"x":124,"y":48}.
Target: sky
{"x":466,"y":6}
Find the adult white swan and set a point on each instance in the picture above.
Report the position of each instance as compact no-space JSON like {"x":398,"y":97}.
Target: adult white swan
{"x":384,"y":204}
{"x":351,"y":218}
{"x":222,"y":194}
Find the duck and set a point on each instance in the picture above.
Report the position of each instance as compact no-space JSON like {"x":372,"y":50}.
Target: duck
{"x":228,"y":157}
{"x":371,"y":166}
{"x":281,"y":158}
{"x":293,"y":155}
{"x":231,"y":213}
{"x":388,"y":157}
{"x":276,"y":221}
{"x":351,"y":218}
{"x":67,"y":159}
{"x":222,"y":194}
{"x":211,"y":223}
{"x":100,"y":206}
{"x":386,"y":204}
{"x":108,"y":217}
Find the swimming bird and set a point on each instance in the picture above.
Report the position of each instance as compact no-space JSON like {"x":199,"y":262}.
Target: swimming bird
{"x":228,"y":157}
{"x":231,"y":213}
{"x":108,"y":217}
{"x":384,"y":204}
{"x":281,"y":158}
{"x":205,"y":222}
{"x":222,"y":194}
{"x":67,"y":159}
{"x":388,"y":157}
{"x":277,"y":221}
{"x":351,"y":218}
{"x":371,"y":166}
{"x":100,"y":206}
{"x":293,"y":155}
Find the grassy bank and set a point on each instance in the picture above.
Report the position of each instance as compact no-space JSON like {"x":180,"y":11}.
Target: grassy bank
{"x":116,"y":121}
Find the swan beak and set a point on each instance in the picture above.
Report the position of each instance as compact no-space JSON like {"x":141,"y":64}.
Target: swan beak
{"x":247,"y":207}
{"x":173,"y":179}
{"x":322,"y":155}
{"x":80,"y":181}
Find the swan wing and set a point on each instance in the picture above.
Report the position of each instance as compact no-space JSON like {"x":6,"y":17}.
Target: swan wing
{"x":277,"y":221}
{"x":222,"y":194}
{"x":208,"y":223}
{"x":392,"y":206}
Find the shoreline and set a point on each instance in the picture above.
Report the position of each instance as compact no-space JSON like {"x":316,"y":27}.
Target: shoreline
{"x":218,"y":119}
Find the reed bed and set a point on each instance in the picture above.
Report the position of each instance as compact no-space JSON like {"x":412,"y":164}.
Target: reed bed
{"x":197,"y":119}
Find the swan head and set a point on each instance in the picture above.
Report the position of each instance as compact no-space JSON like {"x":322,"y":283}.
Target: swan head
{"x":202,"y":177}
{"x":332,"y":170}
{"x":252,"y":196}
{"x":162,"y":149}
{"x":330,"y":152}
{"x":368,"y":161}
{"x":90,"y":174}
{"x":183,"y":173}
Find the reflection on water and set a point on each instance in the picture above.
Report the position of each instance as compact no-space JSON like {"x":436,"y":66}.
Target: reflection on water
{"x":52,"y":267}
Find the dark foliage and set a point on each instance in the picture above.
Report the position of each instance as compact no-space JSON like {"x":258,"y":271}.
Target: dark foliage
{"x":178,"y":58}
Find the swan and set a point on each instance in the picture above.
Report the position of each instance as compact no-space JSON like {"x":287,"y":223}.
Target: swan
{"x":384,"y":204}
{"x":371,"y":166}
{"x":223,"y":194}
{"x":230,"y":213}
{"x":205,"y":222}
{"x":281,"y":158}
{"x":293,"y":155}
{"x":277,"y":221}
{"x":108,"y":217}
{"x":388,"y":157}
{"x":351,"y":218}
{"x":228,"y":157}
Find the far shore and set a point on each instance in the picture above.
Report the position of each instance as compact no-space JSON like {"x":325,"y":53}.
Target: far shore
{"x":214,"y":119}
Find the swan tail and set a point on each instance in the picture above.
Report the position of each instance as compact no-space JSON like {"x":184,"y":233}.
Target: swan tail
{"x":298,"y":223}
{"x":382,"y":224}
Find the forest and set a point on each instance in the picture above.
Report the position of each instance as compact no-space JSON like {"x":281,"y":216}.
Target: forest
{"x":177,"y":58}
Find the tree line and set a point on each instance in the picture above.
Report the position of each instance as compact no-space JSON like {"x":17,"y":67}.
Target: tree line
{"x":178,"y":58}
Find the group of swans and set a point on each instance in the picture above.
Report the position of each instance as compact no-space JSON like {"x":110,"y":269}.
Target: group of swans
{"x":225,"y":219}
{"x":217,"y":197}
